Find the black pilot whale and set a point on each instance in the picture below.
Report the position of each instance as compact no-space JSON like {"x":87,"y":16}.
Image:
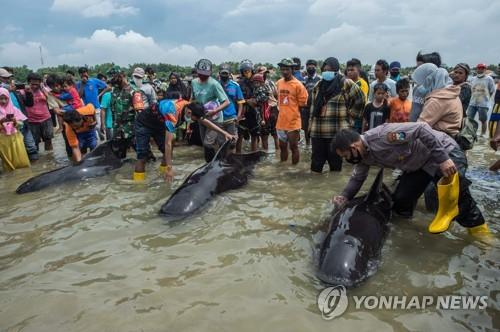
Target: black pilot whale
{"x":351,"y":250}
{"x":98,"y":162}
{"x":221,"y":174}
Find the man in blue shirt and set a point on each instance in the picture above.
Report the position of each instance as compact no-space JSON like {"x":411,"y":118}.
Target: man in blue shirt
{"x":232,"y":113}
{"x":296,"y":69}
{"x":88,"y":88}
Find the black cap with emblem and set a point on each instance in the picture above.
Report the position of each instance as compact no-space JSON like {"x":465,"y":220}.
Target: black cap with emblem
{"x":203,"y":67}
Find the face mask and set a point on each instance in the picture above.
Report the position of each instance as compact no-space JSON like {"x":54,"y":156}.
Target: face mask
{"x":355,"y":158}
{"x":203,"y":78}
{"x":187,"y":118}
{"x":328,"y":75}
{"x":137,"y":81}
{"x":311,"y":71}
{"x":480,"y":75}
{"x":224,"y":78}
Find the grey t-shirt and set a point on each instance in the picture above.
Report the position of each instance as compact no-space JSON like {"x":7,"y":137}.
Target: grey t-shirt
{"x":390,"y":84}
{"x":482,"y":91}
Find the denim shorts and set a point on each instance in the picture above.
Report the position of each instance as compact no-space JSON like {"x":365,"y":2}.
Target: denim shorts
{"x":283,"y":134}
{"x":483,"y":112}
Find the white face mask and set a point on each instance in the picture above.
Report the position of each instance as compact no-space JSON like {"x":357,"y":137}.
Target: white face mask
{"x":137,"y":81}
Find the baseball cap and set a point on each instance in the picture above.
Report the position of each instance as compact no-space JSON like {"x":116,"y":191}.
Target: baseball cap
{"x":203,"y":67}
{"x":4,"y":73}
{"x":114,"y":70}
{"x":481,"y":66}
{"x":258,"y":78}
{"x":311,"y":62}
{"x":262,"y":69}
{"x":395,"y":65}
{"x":225,"y":68}
{"x":139,"y":72}
{"x":286,"y":62}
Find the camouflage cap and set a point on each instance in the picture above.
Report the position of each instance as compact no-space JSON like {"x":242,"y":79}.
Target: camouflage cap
{"x":114,"y":70}
{"x":286,"y":62}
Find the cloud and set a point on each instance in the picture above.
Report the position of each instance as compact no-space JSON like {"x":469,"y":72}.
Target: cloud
{"x":266,"y":31}
{"x":18,"y":54}
{"x":246,"y":7}
{"x":106,"y":46}
{"x":94,"y":8}
{"x":10,"y":28}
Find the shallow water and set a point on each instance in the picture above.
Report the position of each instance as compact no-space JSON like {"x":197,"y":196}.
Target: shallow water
{"x":97,"y":257}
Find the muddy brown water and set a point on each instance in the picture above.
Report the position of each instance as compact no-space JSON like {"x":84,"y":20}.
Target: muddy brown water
{"x":96,"y":256}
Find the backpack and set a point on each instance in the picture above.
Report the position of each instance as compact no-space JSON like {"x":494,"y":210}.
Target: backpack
{"x":468,"y":134}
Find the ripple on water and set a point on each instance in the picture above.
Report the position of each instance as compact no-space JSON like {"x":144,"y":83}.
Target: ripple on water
{"x":96,"y":256}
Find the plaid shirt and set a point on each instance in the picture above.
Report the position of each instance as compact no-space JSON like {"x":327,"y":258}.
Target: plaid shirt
{"x":341,"y":111}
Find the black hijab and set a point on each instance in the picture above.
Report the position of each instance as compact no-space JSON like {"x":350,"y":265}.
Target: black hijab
{"x":178,"y":88}
{"x":328,"y":89}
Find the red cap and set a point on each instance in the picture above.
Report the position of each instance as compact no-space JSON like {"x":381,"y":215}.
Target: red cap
{"x":481,"y":66}
{"x":258,"y":78}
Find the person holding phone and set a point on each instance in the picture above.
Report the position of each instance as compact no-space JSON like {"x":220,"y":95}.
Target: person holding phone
{"x":12,"y":151}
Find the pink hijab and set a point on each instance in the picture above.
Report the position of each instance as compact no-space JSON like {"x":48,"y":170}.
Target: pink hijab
{"x":10,"y":108}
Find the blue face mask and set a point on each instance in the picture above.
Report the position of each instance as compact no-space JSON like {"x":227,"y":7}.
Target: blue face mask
{"x":328,"y":75}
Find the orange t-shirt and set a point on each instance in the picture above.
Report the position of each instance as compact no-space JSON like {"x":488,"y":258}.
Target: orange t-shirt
{"x":89,"y":122}
{"x":400,"y":110}
{"x":291,"y":96}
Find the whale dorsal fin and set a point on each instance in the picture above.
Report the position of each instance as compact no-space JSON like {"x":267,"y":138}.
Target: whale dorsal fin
{"x":376,"y":187}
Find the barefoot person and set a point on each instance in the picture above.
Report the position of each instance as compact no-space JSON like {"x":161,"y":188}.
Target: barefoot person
{"x":292,"y":95}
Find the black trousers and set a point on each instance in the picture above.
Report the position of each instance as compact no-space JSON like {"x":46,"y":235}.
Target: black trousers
{"x":321,"y":154}
{"x":412,"y":185}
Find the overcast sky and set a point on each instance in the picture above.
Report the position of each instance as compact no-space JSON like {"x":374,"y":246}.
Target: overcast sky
{"x":181,"y":31}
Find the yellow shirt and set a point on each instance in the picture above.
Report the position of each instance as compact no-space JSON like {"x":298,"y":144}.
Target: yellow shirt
{"x":363,"y":85}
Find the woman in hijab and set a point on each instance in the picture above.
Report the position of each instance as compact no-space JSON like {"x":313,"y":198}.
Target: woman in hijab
{"x":442,"y":107}
{"x":12,"y":150}
{"x":336,"y":104}
{"x":177,"y":87}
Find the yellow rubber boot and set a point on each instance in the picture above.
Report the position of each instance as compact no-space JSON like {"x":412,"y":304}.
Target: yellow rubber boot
{"x":448,"y":190}
{"x":479,"y":230}
{"x":139,"y":176}
{"x":163,"y":169}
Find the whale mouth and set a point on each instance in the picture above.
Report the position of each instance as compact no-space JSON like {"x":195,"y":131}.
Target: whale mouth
{"x":344,"y":281}
{"x":171,"y":217}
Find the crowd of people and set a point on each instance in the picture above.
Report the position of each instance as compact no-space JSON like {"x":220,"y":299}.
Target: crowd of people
{"x":342,"y":115}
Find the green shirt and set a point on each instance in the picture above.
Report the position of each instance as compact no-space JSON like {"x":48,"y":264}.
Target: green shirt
{"x":208,"y":91}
